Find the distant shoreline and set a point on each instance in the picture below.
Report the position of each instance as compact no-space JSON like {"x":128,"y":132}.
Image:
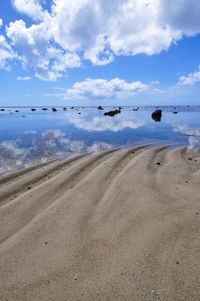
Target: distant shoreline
{"x":105,"y":106}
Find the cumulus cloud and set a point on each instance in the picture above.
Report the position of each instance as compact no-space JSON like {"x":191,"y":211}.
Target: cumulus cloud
{"x":104,"y":89}
{"x":99,"y":124}
{"x":74,"y":31}
{"x":106,"y":27}
{"x":190,"y":79}
{"x":47,"y":61}
{"x":181,"y":15}
{"x":32,"y":8}
{"x":23,"y":78}
{"x":6,"y":52}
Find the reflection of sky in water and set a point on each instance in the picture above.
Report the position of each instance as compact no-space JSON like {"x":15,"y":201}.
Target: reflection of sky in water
{"x":28,"y":137}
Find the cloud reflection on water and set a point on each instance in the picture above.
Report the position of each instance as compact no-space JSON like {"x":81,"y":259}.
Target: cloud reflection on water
{"x":193,"y":135}
{"x":49,"y":145}
{"x":100,"y":123}
{"x":41,"y":137}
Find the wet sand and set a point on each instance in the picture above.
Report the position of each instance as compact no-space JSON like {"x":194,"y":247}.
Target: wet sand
{"x":122,"y":224}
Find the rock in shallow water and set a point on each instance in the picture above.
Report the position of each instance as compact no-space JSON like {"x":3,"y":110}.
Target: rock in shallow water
{"x":112,"y":113}
{"x":157,"y":115}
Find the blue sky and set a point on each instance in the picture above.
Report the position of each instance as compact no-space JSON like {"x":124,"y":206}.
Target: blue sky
{"x":86,"y":52}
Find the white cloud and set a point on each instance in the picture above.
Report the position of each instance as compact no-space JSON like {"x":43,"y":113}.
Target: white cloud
{"x":104,"y":89}
{"x":105,"y":27}
{"x":99,"y":124}
{"x":32,"y":8}
{"x":190,"y":79}
{"x":47,"y":62}
{"x":97,"y":31}
{"x":181,"y":15}
{"x":155,"y":82}
{"x":33,"y":132}
{"x":23,"y":78}
{"x":6,"y":54}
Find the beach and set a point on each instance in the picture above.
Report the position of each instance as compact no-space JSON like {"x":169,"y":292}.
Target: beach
{"x":121,"y":224}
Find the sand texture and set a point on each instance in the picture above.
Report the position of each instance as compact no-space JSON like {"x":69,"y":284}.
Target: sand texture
{"x":122,"y":224}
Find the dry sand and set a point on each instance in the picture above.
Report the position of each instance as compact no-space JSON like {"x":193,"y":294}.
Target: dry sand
{"x":116,"y":225}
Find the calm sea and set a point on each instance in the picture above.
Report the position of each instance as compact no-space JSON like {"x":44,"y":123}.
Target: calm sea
{"x":28,"y":137}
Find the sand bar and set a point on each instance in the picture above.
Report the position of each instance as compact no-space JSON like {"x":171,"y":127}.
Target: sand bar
{"x":122,"y":224}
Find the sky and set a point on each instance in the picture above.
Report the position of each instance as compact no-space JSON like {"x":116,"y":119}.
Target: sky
{"x":99,"y":52}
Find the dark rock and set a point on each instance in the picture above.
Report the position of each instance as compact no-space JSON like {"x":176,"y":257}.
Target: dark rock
{"x":64,"y":109}
{"x":72,"y":108}
{"x":2,"y":110}
{"x":136,"y":109}
{"x":54,"y":109}
{"x":175,"y":112}
{"x":112,"y":113}
{"x":158,"y":163}
{"x":157,"y":115}
{"x":100,"y":108}
{"x":33,"y":109}
{"x":17,"y":111}
{"x":44,"y":109}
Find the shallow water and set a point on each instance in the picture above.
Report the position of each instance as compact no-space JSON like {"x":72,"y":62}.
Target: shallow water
{"x":28,"y":137}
